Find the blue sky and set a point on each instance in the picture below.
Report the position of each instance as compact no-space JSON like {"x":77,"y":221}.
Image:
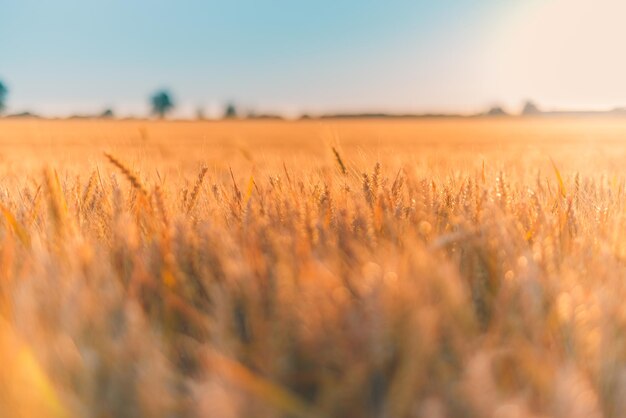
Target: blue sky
{"x":67,"y":56}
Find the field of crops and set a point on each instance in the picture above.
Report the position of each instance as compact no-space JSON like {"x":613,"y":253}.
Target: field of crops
{"x":424,"y":268}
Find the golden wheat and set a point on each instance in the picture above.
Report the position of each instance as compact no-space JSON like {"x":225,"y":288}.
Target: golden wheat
{"x":463,"y":277}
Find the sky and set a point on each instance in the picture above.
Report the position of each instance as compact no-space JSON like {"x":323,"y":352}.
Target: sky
{"x":60,"y":57}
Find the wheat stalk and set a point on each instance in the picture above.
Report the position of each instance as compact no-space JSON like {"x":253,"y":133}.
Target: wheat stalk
{"x":134,"y":181}
{"x":196,"y":188}
{"x":339,"y":160}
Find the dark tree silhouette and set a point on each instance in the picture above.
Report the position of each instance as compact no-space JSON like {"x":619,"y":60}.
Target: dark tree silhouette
{"x":530,"y":109}
{"x":161,"y":103}
{"x":200,"y":113}
{"x":496,"y":111}
{"x":230,"y":112}
{"x":107,"y":114}
{"x":4,"y":91}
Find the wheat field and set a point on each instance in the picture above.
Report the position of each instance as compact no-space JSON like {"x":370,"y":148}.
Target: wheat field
{"x":410,"y":268}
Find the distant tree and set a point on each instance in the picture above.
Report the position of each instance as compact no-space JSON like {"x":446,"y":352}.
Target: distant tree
{"x":496,"y":111}
{"x":230,"y":111}
{"x":263,"y":116}
{"x":161,"y":103}
{"x":200,"y":113}
{"x":107,"y":114}
{"x":25,"y":114}
{"x":530,"y":109}
{"x":4,"y":91}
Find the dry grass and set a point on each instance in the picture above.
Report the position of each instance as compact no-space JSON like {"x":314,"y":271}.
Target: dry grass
{"x":424,"y":269}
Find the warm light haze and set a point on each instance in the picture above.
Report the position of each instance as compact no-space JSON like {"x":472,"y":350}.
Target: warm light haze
{"x":454,"y":56}
{"x":312,"y":209}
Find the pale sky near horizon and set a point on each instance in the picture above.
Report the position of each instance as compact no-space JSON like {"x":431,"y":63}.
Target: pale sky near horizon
{"x":80,"y":56}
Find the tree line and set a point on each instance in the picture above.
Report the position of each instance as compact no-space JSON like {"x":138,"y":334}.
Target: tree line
{"x":161,"y":105}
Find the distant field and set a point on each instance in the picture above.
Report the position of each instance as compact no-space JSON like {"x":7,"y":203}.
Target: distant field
{"x":582,"y":144}
{"x":425,"y":268}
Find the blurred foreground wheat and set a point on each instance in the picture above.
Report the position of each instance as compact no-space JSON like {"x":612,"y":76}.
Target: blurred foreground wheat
{"x":336,"y":291}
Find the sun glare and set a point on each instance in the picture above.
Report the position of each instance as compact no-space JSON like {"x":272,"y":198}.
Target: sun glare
{"x":567,"y":53}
